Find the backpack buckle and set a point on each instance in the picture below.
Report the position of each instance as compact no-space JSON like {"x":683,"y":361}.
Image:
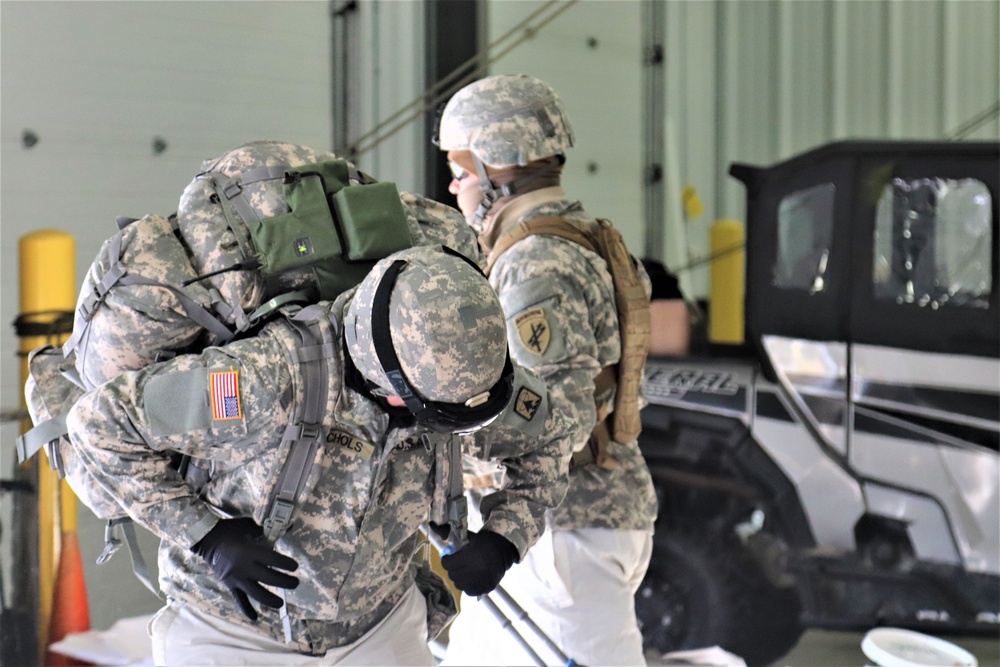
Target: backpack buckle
{"x":278,"y":518}
{"x":111,"y":543}
{"x":232,"y":189}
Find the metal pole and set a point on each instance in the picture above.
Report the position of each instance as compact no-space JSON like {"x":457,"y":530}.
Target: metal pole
{"x":48,"y":290}
{"x":522,"y":615}
{"x":653,"y":104}
{"x":501,"y":617}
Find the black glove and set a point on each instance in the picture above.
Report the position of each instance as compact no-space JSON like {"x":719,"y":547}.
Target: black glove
{"x":243,"y":560}
{"x":478,"y":567}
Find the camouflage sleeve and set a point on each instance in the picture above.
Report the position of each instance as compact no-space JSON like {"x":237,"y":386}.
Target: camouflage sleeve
{"x":444,"y":225}
{"x":561,"y":322}
{"x":225,"y":405}
{"x":533,"y":444}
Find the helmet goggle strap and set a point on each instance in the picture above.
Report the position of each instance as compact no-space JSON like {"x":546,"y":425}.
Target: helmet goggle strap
{"x":474,"y":414}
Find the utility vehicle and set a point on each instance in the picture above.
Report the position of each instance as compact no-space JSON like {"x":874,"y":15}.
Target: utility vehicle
{"x":840,"y":470}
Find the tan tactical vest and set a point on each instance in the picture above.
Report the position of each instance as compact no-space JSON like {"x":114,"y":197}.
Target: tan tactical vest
{"x":632,"y":305}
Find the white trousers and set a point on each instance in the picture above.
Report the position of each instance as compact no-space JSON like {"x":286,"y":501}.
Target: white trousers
{"x":578,"y":586}
{"x":183,"y":635}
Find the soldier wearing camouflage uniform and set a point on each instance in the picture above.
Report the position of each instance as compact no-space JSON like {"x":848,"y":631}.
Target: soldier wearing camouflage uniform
{"x":506,"y":137}
{"x":416,"y":353}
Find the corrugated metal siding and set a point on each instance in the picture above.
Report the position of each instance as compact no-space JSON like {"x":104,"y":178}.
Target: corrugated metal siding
{"x":754,"y":82}
{"x":590,"y":54}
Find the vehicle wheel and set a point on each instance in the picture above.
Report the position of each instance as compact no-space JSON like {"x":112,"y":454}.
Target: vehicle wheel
{"x":701,"y":592}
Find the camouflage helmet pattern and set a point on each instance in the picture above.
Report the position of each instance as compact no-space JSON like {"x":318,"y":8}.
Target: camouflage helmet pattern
{"x":506,"y":120}
{"x":445,"y":322}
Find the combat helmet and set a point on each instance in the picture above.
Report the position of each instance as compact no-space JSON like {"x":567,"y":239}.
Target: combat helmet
{"x":426,"y":326}
{"x":506,"y":120}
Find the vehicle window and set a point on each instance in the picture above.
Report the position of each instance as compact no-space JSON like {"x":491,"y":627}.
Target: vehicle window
{"x":933,"y":240}
{"x":805,"y":227}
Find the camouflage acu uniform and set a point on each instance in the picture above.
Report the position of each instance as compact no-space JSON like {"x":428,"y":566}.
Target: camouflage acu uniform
{"x":558,"y":296}
{"x":507,"y":136}
{"x":562,"y":323}
{"x":354,"y":533}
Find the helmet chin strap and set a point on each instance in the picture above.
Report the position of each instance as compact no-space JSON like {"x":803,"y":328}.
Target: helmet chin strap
{"x":493,"y":192}
{"x":490,"y":193}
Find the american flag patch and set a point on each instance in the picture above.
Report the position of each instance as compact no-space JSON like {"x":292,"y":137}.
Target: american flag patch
{"x":225,"y":388}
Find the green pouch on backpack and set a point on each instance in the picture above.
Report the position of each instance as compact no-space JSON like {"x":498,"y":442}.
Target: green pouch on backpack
{"x":373,"y":221}
{"x":329,"y":222}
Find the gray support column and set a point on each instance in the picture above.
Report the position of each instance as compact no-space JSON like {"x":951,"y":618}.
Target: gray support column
{"x":453,"y":37}
{"x":653,"y":104}
{"x":344,"y":45}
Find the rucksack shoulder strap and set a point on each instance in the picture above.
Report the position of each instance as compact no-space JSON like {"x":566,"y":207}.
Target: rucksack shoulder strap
{"x":306,"y":430}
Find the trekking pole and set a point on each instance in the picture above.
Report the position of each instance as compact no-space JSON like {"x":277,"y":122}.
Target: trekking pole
{"x":522,"y":615}
{"x":504,"y":620}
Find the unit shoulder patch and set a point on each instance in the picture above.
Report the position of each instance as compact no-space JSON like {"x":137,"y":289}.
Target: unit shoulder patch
{"x":534,"y":331}
{"x":526,"y":403}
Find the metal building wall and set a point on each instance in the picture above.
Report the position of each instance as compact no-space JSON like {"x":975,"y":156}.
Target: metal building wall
{"x":377,"y":88}
{"x":760,"y":81}
{"x":97,"y":82}
{"x":752,"y":82}
{"x":590,"y":53}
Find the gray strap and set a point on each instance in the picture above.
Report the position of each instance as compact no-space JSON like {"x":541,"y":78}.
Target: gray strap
{"x":73,"y":375}
{"x":232,"y":192}
{"x":191,"y":307}
{"x":112,"y":544}
{"x":265,"y":309}
{"x":291,"y":479}
{"x":101,"y":289}
{"x":89,"y":305}
{"x":259,"y":174}
{"x":458,"y":505}
{"x":450,"y":505}
{"x":32,"y":440}
{"x":305,"y":432}
{"x":235,"y":220}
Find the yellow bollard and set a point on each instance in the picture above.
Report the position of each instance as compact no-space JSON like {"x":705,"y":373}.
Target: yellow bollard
{"x":48,"y":293}
{"x":726,"y":275}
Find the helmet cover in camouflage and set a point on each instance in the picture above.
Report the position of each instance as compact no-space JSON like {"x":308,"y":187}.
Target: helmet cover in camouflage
{"x":506,"y":120}
{"x":445,"y":322}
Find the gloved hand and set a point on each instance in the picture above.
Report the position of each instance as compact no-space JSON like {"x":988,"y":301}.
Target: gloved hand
{"x":243,"y":560}
{"x":478,"y":567}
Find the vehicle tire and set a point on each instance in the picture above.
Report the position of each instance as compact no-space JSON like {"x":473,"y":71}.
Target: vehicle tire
{"x":701,"y":592}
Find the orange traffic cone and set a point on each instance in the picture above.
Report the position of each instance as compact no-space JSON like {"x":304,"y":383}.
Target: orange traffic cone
{"x":70,"y":611}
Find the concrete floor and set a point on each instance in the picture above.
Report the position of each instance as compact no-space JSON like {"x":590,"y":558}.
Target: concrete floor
{"x":824,"y":648}
{"x":115,"y":593}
